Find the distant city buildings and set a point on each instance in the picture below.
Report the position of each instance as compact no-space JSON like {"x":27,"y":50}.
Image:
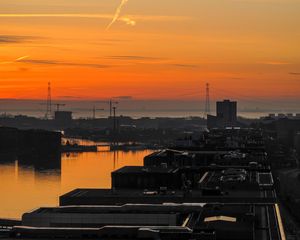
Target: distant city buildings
{"x":273,"y":116}
{"x":221,"y":186}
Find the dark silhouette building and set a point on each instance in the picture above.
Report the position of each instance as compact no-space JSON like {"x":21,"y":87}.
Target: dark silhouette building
{"x":63,"y":118}
{"x":23,"y":144}
{"x":227,"y":111}
{"x":226,"y":115}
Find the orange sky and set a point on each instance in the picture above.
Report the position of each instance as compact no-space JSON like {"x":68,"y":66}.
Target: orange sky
{"x":169,"y":50}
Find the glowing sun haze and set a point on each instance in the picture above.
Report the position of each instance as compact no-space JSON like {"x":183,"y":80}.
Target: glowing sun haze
{"x":150,"y":49}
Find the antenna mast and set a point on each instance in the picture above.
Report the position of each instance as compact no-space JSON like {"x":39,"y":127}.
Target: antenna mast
{"x":49,"y":103}
{"x":207,"y":101}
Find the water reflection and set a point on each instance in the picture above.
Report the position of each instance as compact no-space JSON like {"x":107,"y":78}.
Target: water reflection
{"x":26,"y":184}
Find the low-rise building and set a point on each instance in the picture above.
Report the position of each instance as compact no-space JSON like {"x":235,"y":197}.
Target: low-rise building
{"x":156,"y":221}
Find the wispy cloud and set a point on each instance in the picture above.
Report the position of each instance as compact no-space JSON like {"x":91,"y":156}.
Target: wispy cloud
{"x":127,"y":19}
{"x":110,"y":42}
{"x":69,"y":97}
{"x":184,"y":65}
{"x":6,"y":62}
{"x":160,"y":18}
{"x":55,"y":62}
{"x":294,"y":73}
{"x":275,"y":63}
{"x":124,"y":97}
{"x":133,"y":58}
{"x":14,"y":39}
{"x":54,"y":15}
{"x":151,"y":60}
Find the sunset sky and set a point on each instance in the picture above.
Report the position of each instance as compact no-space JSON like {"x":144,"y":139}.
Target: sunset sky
{"x":156,"y":49}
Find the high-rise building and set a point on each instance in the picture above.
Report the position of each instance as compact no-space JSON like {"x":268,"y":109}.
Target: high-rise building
{"x":227,"y":110}
{"x":226,"y":115}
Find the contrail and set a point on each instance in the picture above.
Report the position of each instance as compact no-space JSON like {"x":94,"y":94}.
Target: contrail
{"x":19,"y":59}
{"x":117,"y":13}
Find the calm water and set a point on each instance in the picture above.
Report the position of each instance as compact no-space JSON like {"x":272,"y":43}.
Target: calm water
{"x":25,"y":187}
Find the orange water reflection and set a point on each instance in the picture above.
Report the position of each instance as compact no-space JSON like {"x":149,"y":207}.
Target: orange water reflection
{"x":24,"y":187}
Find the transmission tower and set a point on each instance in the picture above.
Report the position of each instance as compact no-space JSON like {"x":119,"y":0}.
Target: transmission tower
{"x":49,"y":103}
{"x":207,"y":101}
{"x":111,"y":107}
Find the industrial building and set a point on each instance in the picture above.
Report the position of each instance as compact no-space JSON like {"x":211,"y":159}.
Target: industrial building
{"x":210,"y":184}
{"x":132,"y":177}
{"x":156,"y":221}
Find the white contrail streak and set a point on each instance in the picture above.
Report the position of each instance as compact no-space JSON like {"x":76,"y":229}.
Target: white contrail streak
{"x":117,"y":13}
{"x":19,"y":59}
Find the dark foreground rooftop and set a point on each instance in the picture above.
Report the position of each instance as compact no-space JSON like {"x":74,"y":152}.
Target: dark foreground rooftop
{"x":154,"y":221}
{"x":123,"y":196}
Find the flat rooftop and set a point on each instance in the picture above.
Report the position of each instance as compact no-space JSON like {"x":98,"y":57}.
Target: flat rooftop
{"x":227,"y":221}
{"x":143,"y":170}
{"x":122,"y":196}
{"x":237,"y":178}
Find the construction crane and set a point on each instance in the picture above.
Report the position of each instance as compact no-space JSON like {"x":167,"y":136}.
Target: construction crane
{"x":58,"y":105}
{"x":112,"y":104}
{"x":96,"y":109}
{"x":49,"y":107}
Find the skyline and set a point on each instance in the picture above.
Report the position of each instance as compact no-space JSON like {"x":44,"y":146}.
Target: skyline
{"x":153,"y":51}
{"x":142,"y":108}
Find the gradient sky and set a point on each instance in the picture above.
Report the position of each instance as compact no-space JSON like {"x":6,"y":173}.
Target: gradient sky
{"x":155,"y":50}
